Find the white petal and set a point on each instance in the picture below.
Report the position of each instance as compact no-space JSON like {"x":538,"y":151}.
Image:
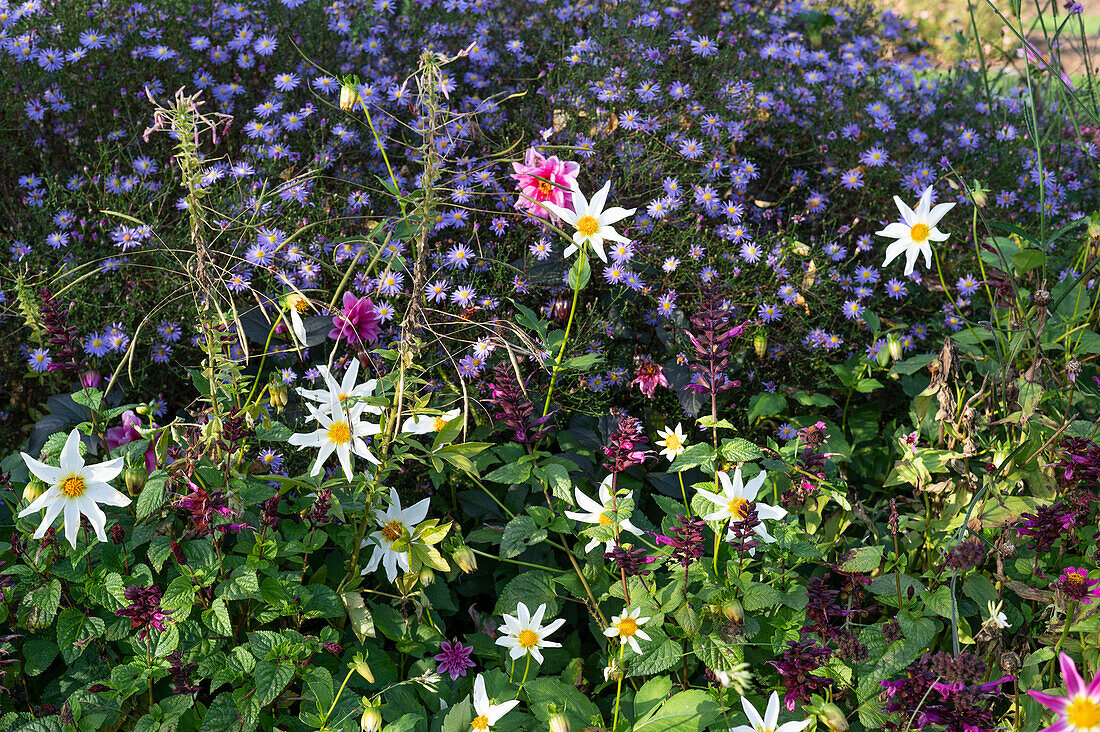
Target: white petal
{"x":499,"y":710}
{"x":51,"y":513}
{"x":907,"y":214}
{"x":105,"y":472}
{"x":95,"y":515}
{"x":754,"y":717}
{"x":938,"y":212}
{"x":47,"y":473}
{"x":895,"y":250}
{"x":71,"y":462}
{"x":895,"y":230}
{"x":72,"y":522}
{"x":103,"y":493}
{"x":48,"y":497}
{"x":595,"y":206}
{"x":771,"y":715}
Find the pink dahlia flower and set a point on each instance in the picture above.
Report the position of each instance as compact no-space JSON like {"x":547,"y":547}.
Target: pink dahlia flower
{"x":357,"y":321}
{"x":649,"y":376}
{"x":532,"y":176}
{"x":1079,"y":709}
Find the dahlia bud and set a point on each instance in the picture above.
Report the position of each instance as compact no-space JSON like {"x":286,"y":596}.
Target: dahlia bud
{"x":371,"y":721}
{"x":34,"y":489}
{"x":733,"y":611}
{"x":278,"y":394}
{"x":349,"y":96}
{"x":760,"y":343}
{"x":979,"y":194}
{"x":833,"y":718}
{"x":136,"y":476}
{"x":465,"y":559}
{"x":359,"y":663}
{"x":559,"y":723}
{"x":893,"y":343}
{"x":427,"y":576}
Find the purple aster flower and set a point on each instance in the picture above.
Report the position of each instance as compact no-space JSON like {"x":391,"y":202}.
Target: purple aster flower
{"x":454,"y":659}
{"x":39,"y":360}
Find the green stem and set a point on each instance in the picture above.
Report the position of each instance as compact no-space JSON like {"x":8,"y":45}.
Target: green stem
{"x":337,"y":698}
{"x":683,"y":492}
{"x":583,"y":258}
{"x":618,"y":688}
{"x":526,"y":668}
{"x":1065,"y":632}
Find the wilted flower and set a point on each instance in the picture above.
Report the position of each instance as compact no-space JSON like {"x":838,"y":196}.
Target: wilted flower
{"x":649,"y":376}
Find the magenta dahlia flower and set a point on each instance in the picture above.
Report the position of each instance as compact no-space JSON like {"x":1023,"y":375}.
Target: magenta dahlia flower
{"x":1076,"y":585}
{"x":541,"y":179}
{"x":1079,"y":709}
{"x":357,"y":321}
{"x":454,"y":659}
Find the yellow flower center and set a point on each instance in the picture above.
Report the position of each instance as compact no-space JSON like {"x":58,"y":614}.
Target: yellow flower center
{"x":737,"y":508}
{"x":544,"y":188}
{"x":604,"y":520}
{"x":393,"y":530}
{"x":481,"y":722}
{"x":588,"y":225}
{"x":528,"y":638}
{"x":1074,"y":580}
{"x":74,"y":486}
{"x":1083,"y":713}
{"x":673,"y":443}
{"x":339,"y":433}
{"x":628,"y":627}
{"x":299,"y":303}
{"x":918,"y":233}
{"x":440,"y":423}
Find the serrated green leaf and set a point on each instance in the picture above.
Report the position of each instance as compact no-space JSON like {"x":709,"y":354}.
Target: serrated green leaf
{"x":531,"y":588}
{"x":688,"y":711}
{"x":271,"y":679}
{"x":217,"y":618}
{"x":510,"y":473}
{"x":520,"y":533}
{"x":38,"y":654}
{"x":152,"y":495}
{"x":862,"y":559}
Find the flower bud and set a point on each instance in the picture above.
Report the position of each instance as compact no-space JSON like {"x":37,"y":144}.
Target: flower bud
{"x":349,"y":96}
{"x":559,"y":723}
{"x":760,"y":343}
{"x":34,"y":489}
{"x":465,"y":559}
{"x":359,"y":663}
{"x":371,"y":721}
{"x":427,"y":576}
{"x":278,"y":394}
{"x":893,"y":343}
{"x":833,"y":718}
{"x":135,"y":479}
{"x":733,"y":611}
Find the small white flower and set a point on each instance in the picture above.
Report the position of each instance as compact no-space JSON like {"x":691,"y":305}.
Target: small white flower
{"x":997,"y":618}
{"x":395,"y":524}
{"x":734,"y":499}
{"x":770,"y":721}
{"x":422,"y":424}
{"x":341,"y":431}
{"x":488,"y":713}
{"x":592,"y":223}
{"x":526,"y":634}
{"x":915,"y":230}
{"x":674,"y":441}
{"x":297,"y":305}
{"x":602,"y":513}
{"x":343,"y":391}
{"x":75,"y":489}
{"x":627,"y":627}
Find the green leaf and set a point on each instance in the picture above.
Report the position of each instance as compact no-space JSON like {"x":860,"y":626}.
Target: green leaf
{"x":651,"y":695}
{"x":520,"y":533}
{"x":242,"y":585}
{"x":180,"y":594}
{"x":458,"y":717}
{"x":38,"y":654}
{"x":716,"y":653}
{"x":152,"y":494}
{"x":557,"y":477}
{"x":759,"y":596}
{"x":584,"y":362}
{"x":739,"y":450}
{"x":1028,"y":259}
{"x":42,"y":604}
{"x":511,"y":473}
{"x":165,"y":641}
{"x":217,"y":618}
{"x":319,"y":681}
{"x":700,"y":455}
{"x":980,"y":589}
{"x":74,"y":630}
{"x":547,"y":694}
{"x":766,"y":404}
{"x":532,"y":588}
{"x":160,"y":548}
{"x":271,"y":679}
{"x":362,"y":624}
{"x":92,"y":399}
{"x":661,"y":658}
{"x":222,"y":715}
{"x":688,"y":711}
{"x":861,"y":559}
{"x":579,"y":274}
